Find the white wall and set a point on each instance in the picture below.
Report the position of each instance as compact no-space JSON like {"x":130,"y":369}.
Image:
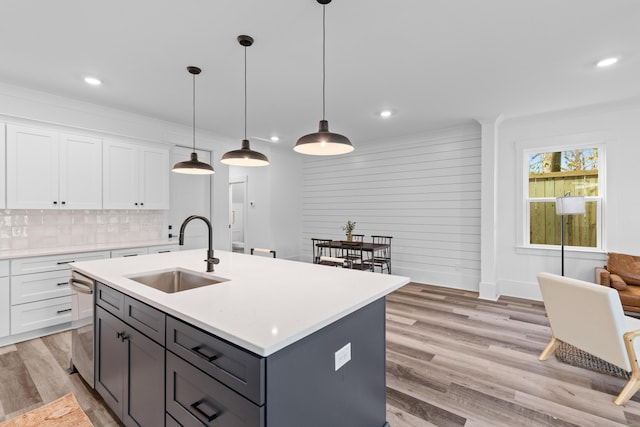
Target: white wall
{"x":618,"y":126}
{"x":274,"y":193}
{"x":423,"y":190}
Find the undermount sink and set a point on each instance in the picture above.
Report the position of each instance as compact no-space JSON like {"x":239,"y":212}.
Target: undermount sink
{"x":176,"y":280}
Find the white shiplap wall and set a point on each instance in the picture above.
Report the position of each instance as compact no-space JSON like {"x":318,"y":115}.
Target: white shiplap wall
{"x":424,"y":191}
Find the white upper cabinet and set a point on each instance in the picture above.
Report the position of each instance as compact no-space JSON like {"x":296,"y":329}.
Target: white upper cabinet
{"x":80,"y":185}
{"x":50,"y":170}
{"x":3,"y":171}
{"x":136,"y":176}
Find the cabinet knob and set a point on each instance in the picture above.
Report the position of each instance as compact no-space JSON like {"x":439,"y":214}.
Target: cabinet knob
{"x":55,"y":202}
{"x":64,"y":203}
{"x":141,"y":204}
{"x":136,"y":203}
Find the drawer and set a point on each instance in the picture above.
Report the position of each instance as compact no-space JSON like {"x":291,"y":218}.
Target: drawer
{"x":110,"y":299}
{"x":40,"y":314}
{"x":5,"y":307}
{"x":123,"y":253}
{"x":4,"y":268}
{"x":163,"y":249}
{"x":52,"y":262}
{"x":39,"y":286}
{"x":195,"y":399}
{"x":145,"y":318}
{"x":240,"y":370}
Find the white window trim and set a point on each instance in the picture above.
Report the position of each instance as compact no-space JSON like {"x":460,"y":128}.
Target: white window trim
{"x":560,"y":143}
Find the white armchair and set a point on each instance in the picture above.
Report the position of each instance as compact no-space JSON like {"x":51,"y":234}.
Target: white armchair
{"x":590,"y":317}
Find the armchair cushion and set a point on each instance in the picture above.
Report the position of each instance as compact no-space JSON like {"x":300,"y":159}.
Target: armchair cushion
{"x":617,"y":282}
{"x":625,"y":266}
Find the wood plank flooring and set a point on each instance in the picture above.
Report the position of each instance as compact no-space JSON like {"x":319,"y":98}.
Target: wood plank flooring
{"x":452,"y":360}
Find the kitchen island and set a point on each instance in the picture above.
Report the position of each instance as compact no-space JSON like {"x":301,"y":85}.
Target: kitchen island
{"x":274,"y":343}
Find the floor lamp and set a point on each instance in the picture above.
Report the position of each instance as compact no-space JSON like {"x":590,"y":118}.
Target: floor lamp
{"x":568,"y":205}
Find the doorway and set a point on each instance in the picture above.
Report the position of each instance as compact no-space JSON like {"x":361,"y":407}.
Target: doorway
{"x":190,"y":195}
{"x":238,"y":214}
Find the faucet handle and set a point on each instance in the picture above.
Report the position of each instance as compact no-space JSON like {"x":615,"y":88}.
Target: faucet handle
{"x":212,"y":260}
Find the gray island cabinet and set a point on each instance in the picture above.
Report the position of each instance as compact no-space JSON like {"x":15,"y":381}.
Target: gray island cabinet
{"x":158,"y":363}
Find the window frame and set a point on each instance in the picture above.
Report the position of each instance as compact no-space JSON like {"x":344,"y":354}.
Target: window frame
{"x":599,"y":199}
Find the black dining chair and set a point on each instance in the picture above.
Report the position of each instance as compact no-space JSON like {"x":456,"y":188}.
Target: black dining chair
{"x":321,"y":247}
{"x":381,"y":257}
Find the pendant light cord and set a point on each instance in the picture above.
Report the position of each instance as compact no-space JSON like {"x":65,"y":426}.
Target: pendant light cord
{"x":323,"y":59}
{"x":194,"y":113}
{"x":245,"y":92}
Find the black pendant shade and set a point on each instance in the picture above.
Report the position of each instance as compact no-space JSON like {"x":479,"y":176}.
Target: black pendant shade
{"x":245,"y":156}
{"x":323,"y":142}
{"x":193,"y":166}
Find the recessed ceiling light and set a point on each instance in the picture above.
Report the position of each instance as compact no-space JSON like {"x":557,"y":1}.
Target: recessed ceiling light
{"x":274,"y":139}
{"x":93,"y":81}
{"x":386,"y":113}
{"x":607,"y":62}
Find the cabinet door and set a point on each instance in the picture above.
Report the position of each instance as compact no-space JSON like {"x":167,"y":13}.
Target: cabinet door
{"x":110,"y":359}
{"x":32,"y":168}
{"x":5,"y":307}
{"x":154,"y":177}
{"x":3,"y":172}
{"x":80,"y":184}
{"x":120,"y":180}
{"x":144,"y":381}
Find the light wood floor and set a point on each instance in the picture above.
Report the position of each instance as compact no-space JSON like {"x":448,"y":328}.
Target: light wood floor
{"x":452,"y":360}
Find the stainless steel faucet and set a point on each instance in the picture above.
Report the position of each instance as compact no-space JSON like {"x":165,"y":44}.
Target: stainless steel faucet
{"x":211,"y":260}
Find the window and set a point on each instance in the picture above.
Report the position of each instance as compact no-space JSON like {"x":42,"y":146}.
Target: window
{"x":563,"y":172}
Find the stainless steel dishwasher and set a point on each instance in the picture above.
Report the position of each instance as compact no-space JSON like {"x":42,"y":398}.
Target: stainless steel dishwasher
{"x":82,"y":333}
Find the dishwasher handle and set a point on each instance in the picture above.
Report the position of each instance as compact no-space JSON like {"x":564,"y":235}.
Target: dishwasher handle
{"x":84,"y":286}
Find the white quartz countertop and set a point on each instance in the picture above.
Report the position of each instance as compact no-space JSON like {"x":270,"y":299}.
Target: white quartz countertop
{"x":25,"y":253}
{"x":265,"y":305}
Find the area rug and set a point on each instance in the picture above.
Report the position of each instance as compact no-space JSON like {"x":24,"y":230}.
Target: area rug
{"x":574,"y":356}
{"x":64,"y":412}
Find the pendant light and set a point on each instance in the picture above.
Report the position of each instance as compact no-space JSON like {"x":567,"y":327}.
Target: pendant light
{"x":323,"y":142}
{"x":193,"y":166}
{"x":245,"y":156}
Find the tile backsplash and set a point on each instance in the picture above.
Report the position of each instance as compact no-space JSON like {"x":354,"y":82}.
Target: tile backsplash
{"x":31,"y":229}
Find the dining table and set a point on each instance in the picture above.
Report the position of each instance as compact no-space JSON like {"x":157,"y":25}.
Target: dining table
{"x":347,"y":245}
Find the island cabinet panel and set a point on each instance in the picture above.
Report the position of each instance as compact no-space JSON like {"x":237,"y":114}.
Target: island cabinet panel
{"x":194,"y":399}
{"x":110,"y":299}
{"x":304,"y":388}
{"x":129,"y":371}
{"x":235,"y":367}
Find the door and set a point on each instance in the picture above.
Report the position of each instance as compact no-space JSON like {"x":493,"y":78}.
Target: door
{"x":120,"y":182}
{"x":154,"y":177}
{"x":238,"y":215}
{"x":80,"y":172}
{"x":111,"y":359}
{"x":190,"y":195}
{"x":32,"y":168}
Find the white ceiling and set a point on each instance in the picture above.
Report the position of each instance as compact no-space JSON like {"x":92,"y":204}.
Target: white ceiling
{"x":436,"y":63}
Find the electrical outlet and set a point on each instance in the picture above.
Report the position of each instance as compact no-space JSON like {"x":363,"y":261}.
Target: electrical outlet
{"x":342,"y":356}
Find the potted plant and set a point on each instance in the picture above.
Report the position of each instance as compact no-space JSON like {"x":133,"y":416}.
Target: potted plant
{"x":348,"y":228}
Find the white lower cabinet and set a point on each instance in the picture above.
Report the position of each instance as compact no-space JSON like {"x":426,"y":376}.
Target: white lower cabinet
{"x":40,"y":293}
{"x":5,"y":300}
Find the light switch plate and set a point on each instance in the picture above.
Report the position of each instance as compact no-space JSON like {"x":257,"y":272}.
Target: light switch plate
{"x":342,"y":356}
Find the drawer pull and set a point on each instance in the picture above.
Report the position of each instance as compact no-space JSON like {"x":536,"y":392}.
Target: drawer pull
{"x":64,"y":262}
{"x":122,"y":336}
{"x":164,"y":252}
{"x":63,"y":283}
{"x":127,"y":255}
{"x":196,"y":407}
{"x":63,"y":311}
{"x":206,"y":357}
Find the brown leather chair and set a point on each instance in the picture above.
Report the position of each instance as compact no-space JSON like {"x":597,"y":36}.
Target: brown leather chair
{"x":622,"y":273}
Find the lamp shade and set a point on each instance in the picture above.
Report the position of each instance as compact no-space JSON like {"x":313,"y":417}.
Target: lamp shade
{"x":323,"y":142}
{"x":574,"y":205}
{"x":244,"y":157}
{"x":193,"y":166}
